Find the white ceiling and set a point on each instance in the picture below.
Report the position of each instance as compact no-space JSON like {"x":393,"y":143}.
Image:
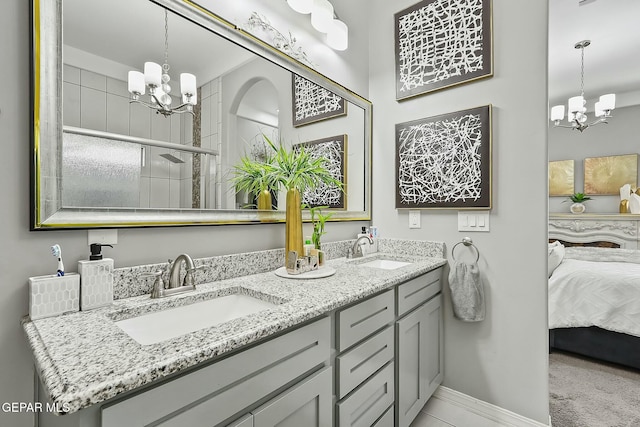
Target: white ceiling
{"x":612,"y":61}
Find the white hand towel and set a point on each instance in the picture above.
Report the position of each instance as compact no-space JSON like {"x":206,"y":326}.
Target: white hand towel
{"x":467,"y":292}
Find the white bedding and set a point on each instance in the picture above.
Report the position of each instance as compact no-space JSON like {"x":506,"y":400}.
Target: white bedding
{"x":588,"y":293}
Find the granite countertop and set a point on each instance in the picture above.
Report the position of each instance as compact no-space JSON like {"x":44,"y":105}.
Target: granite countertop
{"x":83,"y":358}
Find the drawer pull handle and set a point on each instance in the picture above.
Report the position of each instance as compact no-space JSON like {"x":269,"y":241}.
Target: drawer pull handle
{"x":368,"y":358}
{"x":364,"y":319}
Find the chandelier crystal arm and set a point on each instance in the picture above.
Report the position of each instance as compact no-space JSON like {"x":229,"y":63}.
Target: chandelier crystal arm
{"x":161,"y":109}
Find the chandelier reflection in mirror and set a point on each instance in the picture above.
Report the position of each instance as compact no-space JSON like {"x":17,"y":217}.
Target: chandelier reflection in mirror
{"x":577,"y":115}
{"x":157,"y":79}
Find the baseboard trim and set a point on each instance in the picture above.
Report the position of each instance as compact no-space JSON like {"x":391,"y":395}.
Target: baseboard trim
{"x":484,"y":409}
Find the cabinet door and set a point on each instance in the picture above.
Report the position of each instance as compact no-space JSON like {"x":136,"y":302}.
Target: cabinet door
{"x":419,"y":359}
{"x":306,"y":404}
{"x":246,"y":421}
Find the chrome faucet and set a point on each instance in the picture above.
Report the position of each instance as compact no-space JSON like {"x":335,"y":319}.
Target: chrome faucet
{"x":174,"y":272}
{"x":356,"y":250}
{"x":175,"y":287}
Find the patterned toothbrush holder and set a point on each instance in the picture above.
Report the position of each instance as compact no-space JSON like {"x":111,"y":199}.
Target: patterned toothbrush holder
{"x":53,"y":295}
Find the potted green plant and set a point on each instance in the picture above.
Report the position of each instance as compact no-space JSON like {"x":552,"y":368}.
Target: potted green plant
{"x":578,"y":200}
{"x":318,"y":219}
{"x":295,"y":170}
{"x":251,"y":176}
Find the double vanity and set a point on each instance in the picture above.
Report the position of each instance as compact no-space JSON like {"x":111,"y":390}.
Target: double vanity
{"x":362,"y":347}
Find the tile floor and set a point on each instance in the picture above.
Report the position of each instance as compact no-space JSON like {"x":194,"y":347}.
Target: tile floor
{"x":438,"y":413}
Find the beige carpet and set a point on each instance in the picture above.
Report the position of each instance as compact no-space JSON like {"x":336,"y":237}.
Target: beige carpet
{"x":584,"y":393}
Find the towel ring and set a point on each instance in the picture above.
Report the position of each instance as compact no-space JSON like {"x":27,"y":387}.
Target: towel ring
{"x":467,"y":242}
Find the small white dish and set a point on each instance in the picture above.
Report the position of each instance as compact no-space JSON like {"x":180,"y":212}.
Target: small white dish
{"x":313,"y":274}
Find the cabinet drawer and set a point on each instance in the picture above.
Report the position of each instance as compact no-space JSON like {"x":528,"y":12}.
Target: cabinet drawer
{"x":306,"y":404}
{"x":358,"y":322}
{"x":369,"y":402}
{"x":416,"y":291}
{"x":386,"y":420}
{"x":227,"y":387}
{"x":362,"y":361}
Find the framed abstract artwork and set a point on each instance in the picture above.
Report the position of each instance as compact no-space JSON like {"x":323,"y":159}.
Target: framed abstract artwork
{"x":441,"y":43}
{"x":561,"y":178}
{"x":334,"y":150}
{"x":312,"y":103}
{"x":444,"y":162}
{"x":605,"y":175}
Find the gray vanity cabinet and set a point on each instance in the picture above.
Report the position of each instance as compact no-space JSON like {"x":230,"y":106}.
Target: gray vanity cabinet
{"x":374,"y":363}
{"x":215,"y":393}
{"x":419,"y":345}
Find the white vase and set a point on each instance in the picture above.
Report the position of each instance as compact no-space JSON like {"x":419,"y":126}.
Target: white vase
{"x":634,"y":204}
{"x":577,"y":208}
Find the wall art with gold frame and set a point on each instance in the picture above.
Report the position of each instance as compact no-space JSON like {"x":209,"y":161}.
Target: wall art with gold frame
{"x":441,"y":43}
{"x":605,"y":175}
{"x":312,"y":102}
{"x":444,"y":161}
{"x":561,"y":178}
{"x":334,"y":150}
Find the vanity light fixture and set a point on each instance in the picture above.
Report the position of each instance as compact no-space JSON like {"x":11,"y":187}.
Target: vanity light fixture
{"x":577,"y":111}
{"x":157,"y":79}
{"x":322,"y":19}
{"x":301,"y":6}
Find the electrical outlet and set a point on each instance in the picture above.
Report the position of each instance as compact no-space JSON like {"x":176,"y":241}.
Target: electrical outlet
{"x":414,"y":219}
{"x":104,"y":237}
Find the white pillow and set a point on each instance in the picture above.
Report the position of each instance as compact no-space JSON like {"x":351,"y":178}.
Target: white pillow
{"x":556,"y":255}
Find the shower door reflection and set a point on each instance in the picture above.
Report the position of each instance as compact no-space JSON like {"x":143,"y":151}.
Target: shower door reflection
{"x":101,"y":169}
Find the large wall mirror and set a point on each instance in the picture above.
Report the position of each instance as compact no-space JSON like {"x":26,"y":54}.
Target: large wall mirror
{"x":101,"y":161}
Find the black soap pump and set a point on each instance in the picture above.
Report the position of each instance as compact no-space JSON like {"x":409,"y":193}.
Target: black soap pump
{"x":96,"y":251}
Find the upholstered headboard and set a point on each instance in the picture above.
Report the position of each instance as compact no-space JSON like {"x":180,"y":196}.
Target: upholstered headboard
{"x":593,"y":230}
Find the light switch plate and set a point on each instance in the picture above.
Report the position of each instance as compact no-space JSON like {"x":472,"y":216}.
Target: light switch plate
{"x":473,"y":221}
{"x":414,"y":219}
{"x":104,"y":237}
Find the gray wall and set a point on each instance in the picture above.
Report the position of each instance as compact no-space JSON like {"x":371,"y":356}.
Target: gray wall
{"x":615,"y":138}
{"x":24,"y":253}
{"x":502,"y":360}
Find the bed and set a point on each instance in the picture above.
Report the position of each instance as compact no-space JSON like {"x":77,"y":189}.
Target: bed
{"x":594,"y":302}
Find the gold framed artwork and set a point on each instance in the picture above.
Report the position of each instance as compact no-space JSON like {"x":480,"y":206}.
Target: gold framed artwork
{"x":561,"y":178}
{"x":442,"y":43}
{"x":605,"y":175}
{"x":444,"y":162}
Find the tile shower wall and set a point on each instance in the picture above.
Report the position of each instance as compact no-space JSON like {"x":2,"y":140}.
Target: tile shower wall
{"x":99,"y":102}
{"x":211,"y":131}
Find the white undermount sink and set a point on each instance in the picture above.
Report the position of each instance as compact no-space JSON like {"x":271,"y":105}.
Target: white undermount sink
{"x":385,"y":264}
{"x":162,"y":325}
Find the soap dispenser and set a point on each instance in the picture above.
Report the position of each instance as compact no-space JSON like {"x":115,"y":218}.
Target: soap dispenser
{"x":96,"y":279}
{"x":363,"y":245}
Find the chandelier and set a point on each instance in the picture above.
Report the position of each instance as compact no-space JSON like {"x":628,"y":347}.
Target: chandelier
{"x":156,"y":78}
{"x":577,"y":116}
